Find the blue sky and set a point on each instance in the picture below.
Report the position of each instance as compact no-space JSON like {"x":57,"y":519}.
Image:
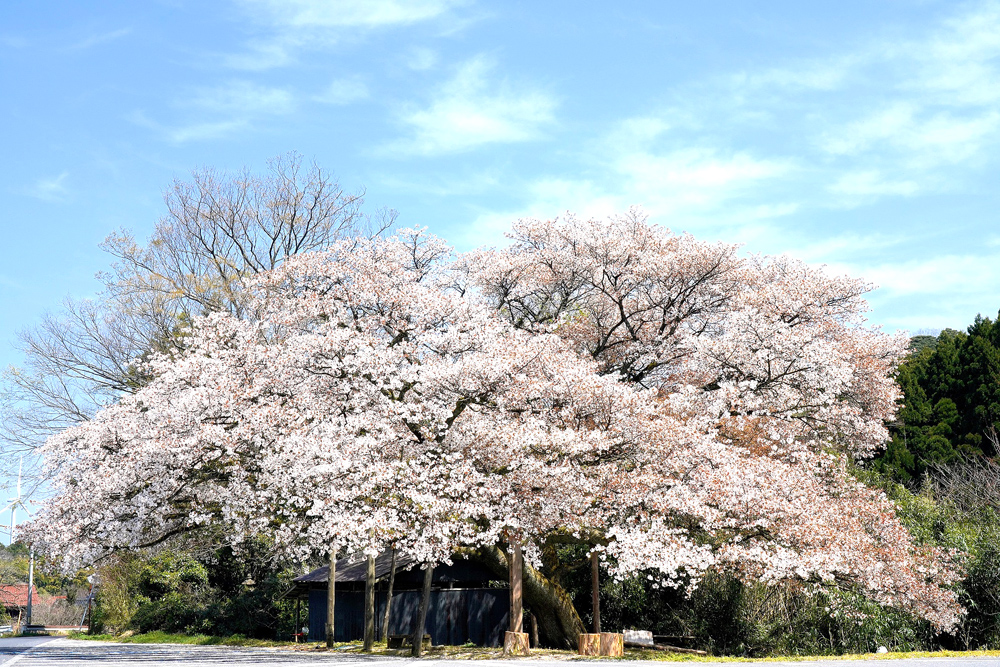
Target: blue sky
{"x":862,"y":135}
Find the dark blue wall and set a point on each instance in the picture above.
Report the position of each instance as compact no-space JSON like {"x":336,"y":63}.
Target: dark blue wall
{"x":479,"y":615}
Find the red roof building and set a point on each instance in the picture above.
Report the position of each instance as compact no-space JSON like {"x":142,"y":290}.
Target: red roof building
{"x":15,"y":596}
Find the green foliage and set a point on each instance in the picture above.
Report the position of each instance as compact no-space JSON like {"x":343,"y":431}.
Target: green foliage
{"x":223,"y":593}
{"x":951,"y":402}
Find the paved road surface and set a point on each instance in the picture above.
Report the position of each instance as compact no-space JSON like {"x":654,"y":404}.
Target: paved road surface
{"x":53,"y":652}
{"x":12,"y":649}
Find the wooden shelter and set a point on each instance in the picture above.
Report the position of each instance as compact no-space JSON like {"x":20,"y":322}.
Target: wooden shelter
{"x":467,"y":604}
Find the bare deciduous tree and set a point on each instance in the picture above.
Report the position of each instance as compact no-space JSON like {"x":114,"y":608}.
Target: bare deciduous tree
{"x":219,"y":231}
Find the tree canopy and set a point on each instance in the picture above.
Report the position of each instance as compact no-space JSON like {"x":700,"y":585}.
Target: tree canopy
{"x":951,"y":401}
{"x":676,"y":406}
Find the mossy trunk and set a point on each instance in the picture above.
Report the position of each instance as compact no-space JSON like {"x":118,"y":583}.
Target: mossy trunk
{"x":559,"y":624}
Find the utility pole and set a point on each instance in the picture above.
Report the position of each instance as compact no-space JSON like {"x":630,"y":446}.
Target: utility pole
{"x":31,"y":584}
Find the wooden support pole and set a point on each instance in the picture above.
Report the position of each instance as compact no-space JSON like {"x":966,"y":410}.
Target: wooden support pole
{"x":295,"y":630}
{"x":516,"y":587}
{"x":595,"y":588}
{"x":369,"y":606}
{"x":388,"y":597}
{"x":331,"y":596}
{"x":425,"y":601}
{"x":515,"y":641}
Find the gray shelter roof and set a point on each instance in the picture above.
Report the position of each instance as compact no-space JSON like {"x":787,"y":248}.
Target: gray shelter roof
{"x":354,"y":568}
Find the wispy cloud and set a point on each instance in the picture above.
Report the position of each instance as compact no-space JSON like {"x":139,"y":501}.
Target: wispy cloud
{"x":10,"y":283}
{"x":303,"y":24}
{"x":219,"y":112}
{"x":421,"y":59}
{"x":100,"y":38}
{"x":195,"y":131}
{"x":343,"y":91}
{"x":49,"y":188}
{"x":926,"y":142}
{"x":242,"y":98}
{"x":13,"y":41}
{"x":872,"y":183}
{"x":346,"y":13}
{"x":474,"y":109}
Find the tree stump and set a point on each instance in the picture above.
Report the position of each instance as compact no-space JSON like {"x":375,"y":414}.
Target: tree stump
{"x":590,"y":644}
{"x":515,"y":643}
{"x":612,"y":644}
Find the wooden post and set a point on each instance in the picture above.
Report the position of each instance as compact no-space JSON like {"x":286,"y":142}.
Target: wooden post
{"x":515,"y":641}
{"x":388,"y":597}
{"x":595,"y":590}
{"x":425,"y":600}
{"x":295,"y":630}
{"x":516,"y":587}
{"x":369,"y":606}
{"x":331,"y":596}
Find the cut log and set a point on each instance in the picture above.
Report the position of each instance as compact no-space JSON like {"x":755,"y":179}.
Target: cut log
{"x":589,"y":644}
{"x":612,"y":644}
{"x":664,"y":647}
{"x":515,"y":643}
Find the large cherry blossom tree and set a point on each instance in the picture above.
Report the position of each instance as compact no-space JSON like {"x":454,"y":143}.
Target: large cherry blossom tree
{"x":768,"y":386}
{"x":677,"y":406}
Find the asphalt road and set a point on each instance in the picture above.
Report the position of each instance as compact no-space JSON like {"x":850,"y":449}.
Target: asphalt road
{"x":57,"y":652}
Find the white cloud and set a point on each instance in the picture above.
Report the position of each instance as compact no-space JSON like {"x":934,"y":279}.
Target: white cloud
{"x":206,"y":131}
{"x":303,"y":24}
{"x":100,"y":38}
{"x":696,"y":173}
{"x":242,"y":98}
{"x":472,"y":110}
{"x":196,"y":131}
{"x":49,"y":189}
{"x":822,"y":75}
{"x":13,"y":41}
{"x":219,"y":112}
{"x":923,"y":142}
{"x":872,"y":183}
{"x":953,"y":275}
{"x":421,"y":59}
{"x":343,"y":91}
{"x":262,"y":55}
{"x":347,"y":13}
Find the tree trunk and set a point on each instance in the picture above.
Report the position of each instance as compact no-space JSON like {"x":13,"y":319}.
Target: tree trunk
{"x":388,"y":597}
{"x":595,"y":585}
{"x":331,"y":596}
{"x":369,"y":606}
{"x":425,"y":601}
{"x":559,"y":624}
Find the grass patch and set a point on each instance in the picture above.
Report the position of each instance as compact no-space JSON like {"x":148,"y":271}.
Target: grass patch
{"x":480,"y":653}
{"x":176,"y":638}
